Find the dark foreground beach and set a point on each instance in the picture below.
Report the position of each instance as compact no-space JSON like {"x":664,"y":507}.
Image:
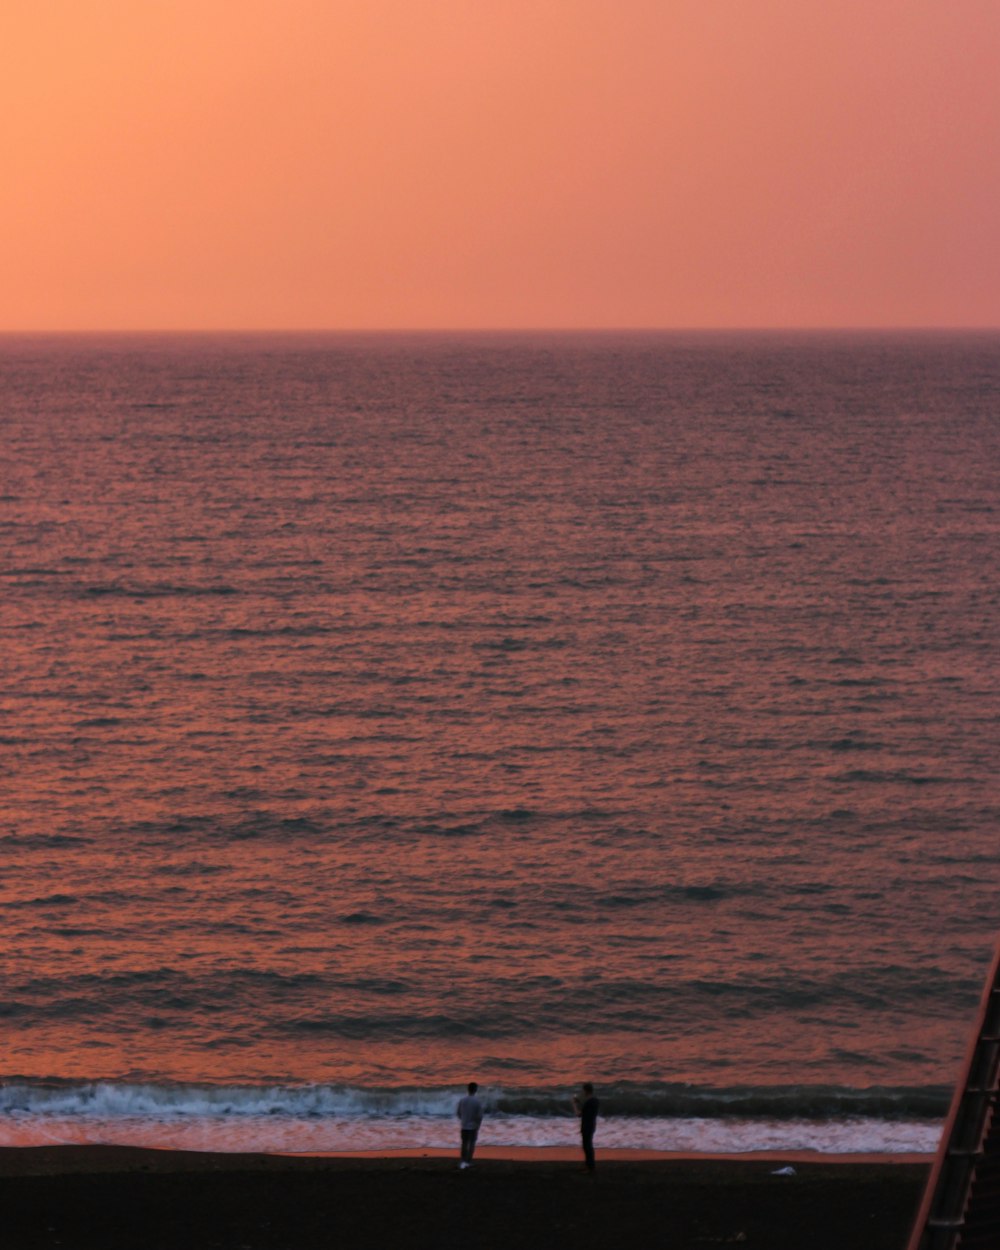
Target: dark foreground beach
{"x":128,"y":1199}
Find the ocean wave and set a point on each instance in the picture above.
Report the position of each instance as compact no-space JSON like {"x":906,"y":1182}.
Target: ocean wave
{"x":21,"y":1096}
{"x":42,"y":841}
{"x":359,"y":1003}
{"x":157,"y":590}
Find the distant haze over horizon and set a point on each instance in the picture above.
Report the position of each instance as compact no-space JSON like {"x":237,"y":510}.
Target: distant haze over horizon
{"x":444,"y":331}
{"x":404,"y":165}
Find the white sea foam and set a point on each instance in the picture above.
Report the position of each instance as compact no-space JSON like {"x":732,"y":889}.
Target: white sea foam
{"x":322,"y":1118}
{"x":175,"y":1102}
{"x":390,"y":1133}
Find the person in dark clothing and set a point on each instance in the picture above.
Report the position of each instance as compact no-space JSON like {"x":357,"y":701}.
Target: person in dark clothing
{"x":587,"y":1108}
{"x":470,"y":1116}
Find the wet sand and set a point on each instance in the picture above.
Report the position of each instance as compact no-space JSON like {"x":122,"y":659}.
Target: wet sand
{"x":112,"y":1198}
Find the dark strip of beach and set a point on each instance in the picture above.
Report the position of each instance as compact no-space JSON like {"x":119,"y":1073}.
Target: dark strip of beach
{"x":111,"y":1198}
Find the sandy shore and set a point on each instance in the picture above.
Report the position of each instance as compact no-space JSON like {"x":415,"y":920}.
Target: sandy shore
{"x":83,"y":1197}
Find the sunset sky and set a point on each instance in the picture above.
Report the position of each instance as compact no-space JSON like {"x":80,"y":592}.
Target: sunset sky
{"x":172,"y":164}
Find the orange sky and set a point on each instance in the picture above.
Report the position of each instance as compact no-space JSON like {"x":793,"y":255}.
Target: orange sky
{"x":464,"y":163}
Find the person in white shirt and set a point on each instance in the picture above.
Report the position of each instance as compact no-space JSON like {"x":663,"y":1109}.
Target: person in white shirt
{"x":470,"y":1116}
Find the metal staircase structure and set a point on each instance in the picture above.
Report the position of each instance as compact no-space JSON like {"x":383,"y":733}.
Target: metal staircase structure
{"x":961,"y":1205}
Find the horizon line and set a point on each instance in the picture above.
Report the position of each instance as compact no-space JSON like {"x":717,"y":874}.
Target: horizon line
{"x":852,"y":328}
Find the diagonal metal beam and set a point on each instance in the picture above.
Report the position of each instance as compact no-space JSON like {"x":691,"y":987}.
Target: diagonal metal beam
{"x":961,"y":1204}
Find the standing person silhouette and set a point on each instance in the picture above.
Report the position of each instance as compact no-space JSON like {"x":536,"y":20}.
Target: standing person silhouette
{"x":587,"y":1109}
{"x":470,"y":1116}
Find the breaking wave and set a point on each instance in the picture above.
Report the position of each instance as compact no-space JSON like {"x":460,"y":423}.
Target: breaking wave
{"x":323,"y":1118}
{"x":167,"y":1101}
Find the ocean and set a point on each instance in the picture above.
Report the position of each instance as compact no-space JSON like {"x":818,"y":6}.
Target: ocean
{"x":382,"y":712}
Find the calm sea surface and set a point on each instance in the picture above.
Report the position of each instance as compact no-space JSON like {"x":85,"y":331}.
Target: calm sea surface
{"x":383,"y":712}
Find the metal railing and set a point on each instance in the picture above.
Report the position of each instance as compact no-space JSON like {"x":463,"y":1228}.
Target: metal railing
{"x":945,"y":1208}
